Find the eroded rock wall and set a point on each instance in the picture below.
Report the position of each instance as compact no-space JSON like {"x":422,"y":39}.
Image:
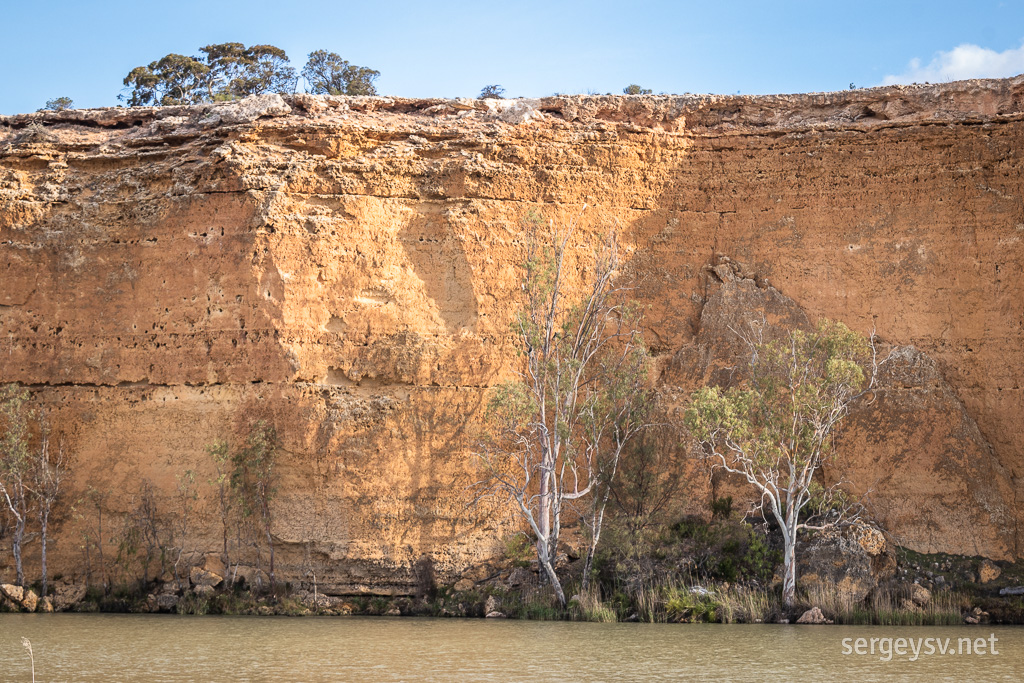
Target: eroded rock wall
{"x":348,"y":267}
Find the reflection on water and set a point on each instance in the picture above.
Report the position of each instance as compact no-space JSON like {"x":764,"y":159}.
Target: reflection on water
{"x":90,"y":647}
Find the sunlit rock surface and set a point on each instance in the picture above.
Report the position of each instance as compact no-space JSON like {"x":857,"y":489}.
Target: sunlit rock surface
{"x":348,"y":268}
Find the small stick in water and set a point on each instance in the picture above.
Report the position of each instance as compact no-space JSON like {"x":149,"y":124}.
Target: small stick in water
{"x":28,"y":646}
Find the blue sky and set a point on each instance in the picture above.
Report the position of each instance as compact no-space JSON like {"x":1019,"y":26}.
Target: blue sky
{"x":533,"y":48}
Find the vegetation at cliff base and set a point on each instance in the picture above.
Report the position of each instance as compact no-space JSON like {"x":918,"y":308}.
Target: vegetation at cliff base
{"x":556,"y":434}
{"x":34,"y":466}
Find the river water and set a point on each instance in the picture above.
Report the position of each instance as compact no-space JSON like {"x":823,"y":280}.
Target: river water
{"x":109,"y":647}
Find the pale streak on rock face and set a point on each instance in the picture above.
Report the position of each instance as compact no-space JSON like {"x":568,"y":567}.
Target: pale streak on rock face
{"x":349,"y":266}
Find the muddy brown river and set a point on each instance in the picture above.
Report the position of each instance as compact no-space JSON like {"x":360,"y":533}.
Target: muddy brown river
{"x":91,"y":647}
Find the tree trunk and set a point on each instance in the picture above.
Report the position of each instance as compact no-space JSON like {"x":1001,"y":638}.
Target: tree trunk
{"x":99,"y":551}
{"x":19,"y":535}
{"x":270,"y":543}
{"x":789,"y":572}
{"x":544,"y":510}
{"x":43,"y":524}
{"x":549,"y":568}
{"x":224,"y":528}
{"x":595,"y":537}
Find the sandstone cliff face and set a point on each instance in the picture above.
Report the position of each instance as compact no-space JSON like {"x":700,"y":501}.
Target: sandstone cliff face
{"x":348,"y":267}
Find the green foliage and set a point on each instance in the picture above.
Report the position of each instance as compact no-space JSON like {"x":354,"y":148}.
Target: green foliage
{"x":798,"y":388}
{"x":519,"y":550}
{"x":634,"y":89}
{"x":226,"y":71}
{"x":254,"y":476}
{"x":721,"y":507}
{"x":326,"y":73}
{"x":692,"y":605}
{"x":379,"y":605}
{"x":538,"y":607}
{"x":254,"y":480}
{"x":589,"y":607}
{"x":193,"y":604}
{"x":494,"y":92}
{"x":14,"y":423}
{"x":512,"y":404}
{"x":237,"y":71}
{"x":58,"y":104}
{"x":725,"y":550}
{"x":173,"y":79}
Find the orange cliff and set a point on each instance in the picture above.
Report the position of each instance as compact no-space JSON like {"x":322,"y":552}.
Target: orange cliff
{"x":348,"y":268}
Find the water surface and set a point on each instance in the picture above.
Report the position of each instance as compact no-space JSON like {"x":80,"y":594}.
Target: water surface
{"x":109,"y":647}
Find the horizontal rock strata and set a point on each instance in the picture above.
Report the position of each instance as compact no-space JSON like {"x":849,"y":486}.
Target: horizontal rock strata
{"x":348,"y":268}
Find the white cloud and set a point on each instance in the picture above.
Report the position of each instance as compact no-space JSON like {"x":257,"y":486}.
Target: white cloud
{"x":963,"y":61}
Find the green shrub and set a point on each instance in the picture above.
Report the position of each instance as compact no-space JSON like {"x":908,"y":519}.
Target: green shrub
{"x":191,"y":603}
{"x":519,"y":549}
{"x":692,"y":605}
{"x":634,"y":89}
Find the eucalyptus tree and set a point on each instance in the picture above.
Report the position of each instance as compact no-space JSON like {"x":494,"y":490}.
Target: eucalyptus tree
{"x":173,"y":79}
{"x":326,"y":73}
{"x":16,"y":468}
{"x":225,"y":71}
{"x":777,"y":429}
{"x":49,"y":470}
{"x":58,"y":104}
{"x":555,"y":433}
{"x":254,"y":478}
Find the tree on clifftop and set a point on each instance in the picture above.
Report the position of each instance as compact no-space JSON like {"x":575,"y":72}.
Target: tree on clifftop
{"x":492,"y":92}
{"x":777,"y":429}
{"x":237,"y":71}
{"x":58,"y":104}
{"x":634,"y":89}
{"x":555,"y":434}
{"x":326,"y":73}
{"x":174,"y":79}
{"x":227,"y":71}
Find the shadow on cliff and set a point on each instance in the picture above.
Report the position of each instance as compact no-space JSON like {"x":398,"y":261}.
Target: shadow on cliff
{"x":814,"y":218}
{"x":436,"y":253}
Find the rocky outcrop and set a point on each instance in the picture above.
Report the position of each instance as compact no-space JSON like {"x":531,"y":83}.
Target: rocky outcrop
{"x":988,"y":571}
{"x":348,"y":268}
{"x":849,"y":562}
{"x":813,"y":616}
{"x":19,"y":598}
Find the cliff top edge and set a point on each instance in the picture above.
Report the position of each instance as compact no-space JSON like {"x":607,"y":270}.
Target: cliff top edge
{"x":952,"y":101}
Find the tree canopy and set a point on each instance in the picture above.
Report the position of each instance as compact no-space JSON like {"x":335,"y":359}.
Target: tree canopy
{"x":494,"y":92}
{"x":225,"y":71}
{"x":326,"y":73}
{"x":634,"y":89}
{"x":58,"y":104}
